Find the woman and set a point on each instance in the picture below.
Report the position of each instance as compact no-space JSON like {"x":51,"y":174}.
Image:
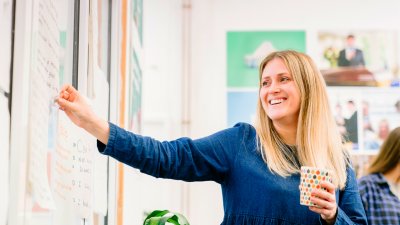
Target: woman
{"x":380,"y":190}
{"x":257,"y":167}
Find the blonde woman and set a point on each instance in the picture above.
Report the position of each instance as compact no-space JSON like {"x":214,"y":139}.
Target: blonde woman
{"x":257,"y":167}
{"x":380,"y":190}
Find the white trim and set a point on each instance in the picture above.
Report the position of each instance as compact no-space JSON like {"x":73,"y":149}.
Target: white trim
{"x":19,"y":119}
{"x":114,"y":74}
{"x":83,"y":47}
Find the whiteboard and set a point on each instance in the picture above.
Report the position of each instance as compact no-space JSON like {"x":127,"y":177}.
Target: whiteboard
{"x":53,"y":162}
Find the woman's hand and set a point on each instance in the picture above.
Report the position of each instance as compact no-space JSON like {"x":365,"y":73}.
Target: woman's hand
{"x":75,"y":106}
{"x":81,"y":113}
{"x":325,"y":202}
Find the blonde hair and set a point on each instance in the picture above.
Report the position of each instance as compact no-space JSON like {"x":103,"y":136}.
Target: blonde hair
{"x":389,"y":154}
{"x":318,"y":141}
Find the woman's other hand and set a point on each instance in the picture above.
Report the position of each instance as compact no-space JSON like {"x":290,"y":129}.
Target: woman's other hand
{"x":325,"y":201}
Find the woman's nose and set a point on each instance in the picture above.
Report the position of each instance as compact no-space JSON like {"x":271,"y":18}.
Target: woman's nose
{"x":274,"y":88}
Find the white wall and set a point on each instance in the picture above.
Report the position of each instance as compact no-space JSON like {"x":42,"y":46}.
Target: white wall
{"x":161,"y":107}
{"x":211,"y":19}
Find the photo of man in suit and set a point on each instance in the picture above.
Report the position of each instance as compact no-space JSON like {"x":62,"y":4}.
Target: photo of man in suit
{"x":351,"y":56}
{"x":351,"y":123}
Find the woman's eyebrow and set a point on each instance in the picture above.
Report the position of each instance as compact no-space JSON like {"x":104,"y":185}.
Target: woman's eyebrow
{"x":279,"y":75}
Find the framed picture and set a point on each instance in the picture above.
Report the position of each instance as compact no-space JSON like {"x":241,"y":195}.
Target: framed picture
{"x":359,"y":57}
{"x":246,"y":49}
{"x":365,"y":115}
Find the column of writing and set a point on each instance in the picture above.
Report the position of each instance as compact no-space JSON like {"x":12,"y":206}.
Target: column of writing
{"x":43,"y":86}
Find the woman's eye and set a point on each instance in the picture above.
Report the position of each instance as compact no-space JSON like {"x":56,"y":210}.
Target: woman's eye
{"x":284,"y":79}
{"x":265,"y":83}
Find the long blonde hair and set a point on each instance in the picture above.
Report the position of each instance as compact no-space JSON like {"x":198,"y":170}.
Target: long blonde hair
{"x":389,"y":154}
{"x":318,"y":141}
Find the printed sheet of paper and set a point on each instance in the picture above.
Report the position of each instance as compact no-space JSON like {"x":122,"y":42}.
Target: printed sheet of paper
{"x":62,"y":182}
{"x":82,"y":173}
{"x":4,"y":157}
{"x":43,"y":89}
{"x":5,"y":43}
{"x":74,"y":168}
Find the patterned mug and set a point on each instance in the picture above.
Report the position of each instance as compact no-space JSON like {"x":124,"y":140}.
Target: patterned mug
{"x":311,"y":178}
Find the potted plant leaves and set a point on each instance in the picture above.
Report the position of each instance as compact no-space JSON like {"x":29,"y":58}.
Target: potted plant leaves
{"x":165,"y":217}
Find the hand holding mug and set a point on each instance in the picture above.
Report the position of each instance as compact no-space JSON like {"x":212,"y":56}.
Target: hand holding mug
{"x":318,"y":192}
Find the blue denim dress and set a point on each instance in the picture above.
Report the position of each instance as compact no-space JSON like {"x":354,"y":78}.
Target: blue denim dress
{"x":251,"y":193}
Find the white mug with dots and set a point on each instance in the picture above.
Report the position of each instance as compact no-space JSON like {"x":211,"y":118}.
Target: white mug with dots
{"x":311,"y":178}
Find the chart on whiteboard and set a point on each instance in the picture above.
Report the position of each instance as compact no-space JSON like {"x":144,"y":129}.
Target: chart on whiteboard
{"x":74,"y":167}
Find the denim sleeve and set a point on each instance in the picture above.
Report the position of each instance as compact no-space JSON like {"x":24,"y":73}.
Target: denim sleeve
{"x":350,"y":208}
{"x":205,"y":159}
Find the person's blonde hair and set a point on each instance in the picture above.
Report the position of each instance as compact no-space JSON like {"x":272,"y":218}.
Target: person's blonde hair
{"x":389,"y":154}
{"x":318,"y":141}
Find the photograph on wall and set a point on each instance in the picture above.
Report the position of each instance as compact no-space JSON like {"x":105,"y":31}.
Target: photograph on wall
{"x":365,"y":115}
{"x":242,"y":107}
{"x":380,"y":115}
{"x":246,"y":49}
{"x":359,"y":58}
{"x":345,"y":109}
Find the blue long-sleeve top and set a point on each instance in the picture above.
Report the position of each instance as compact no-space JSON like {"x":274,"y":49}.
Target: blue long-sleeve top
{"x":252,"y":194}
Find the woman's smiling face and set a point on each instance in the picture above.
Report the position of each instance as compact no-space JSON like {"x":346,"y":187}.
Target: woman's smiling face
{"x":279,"y":94}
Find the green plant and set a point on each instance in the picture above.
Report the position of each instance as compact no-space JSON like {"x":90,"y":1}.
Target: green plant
{"x":162,"y":217}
